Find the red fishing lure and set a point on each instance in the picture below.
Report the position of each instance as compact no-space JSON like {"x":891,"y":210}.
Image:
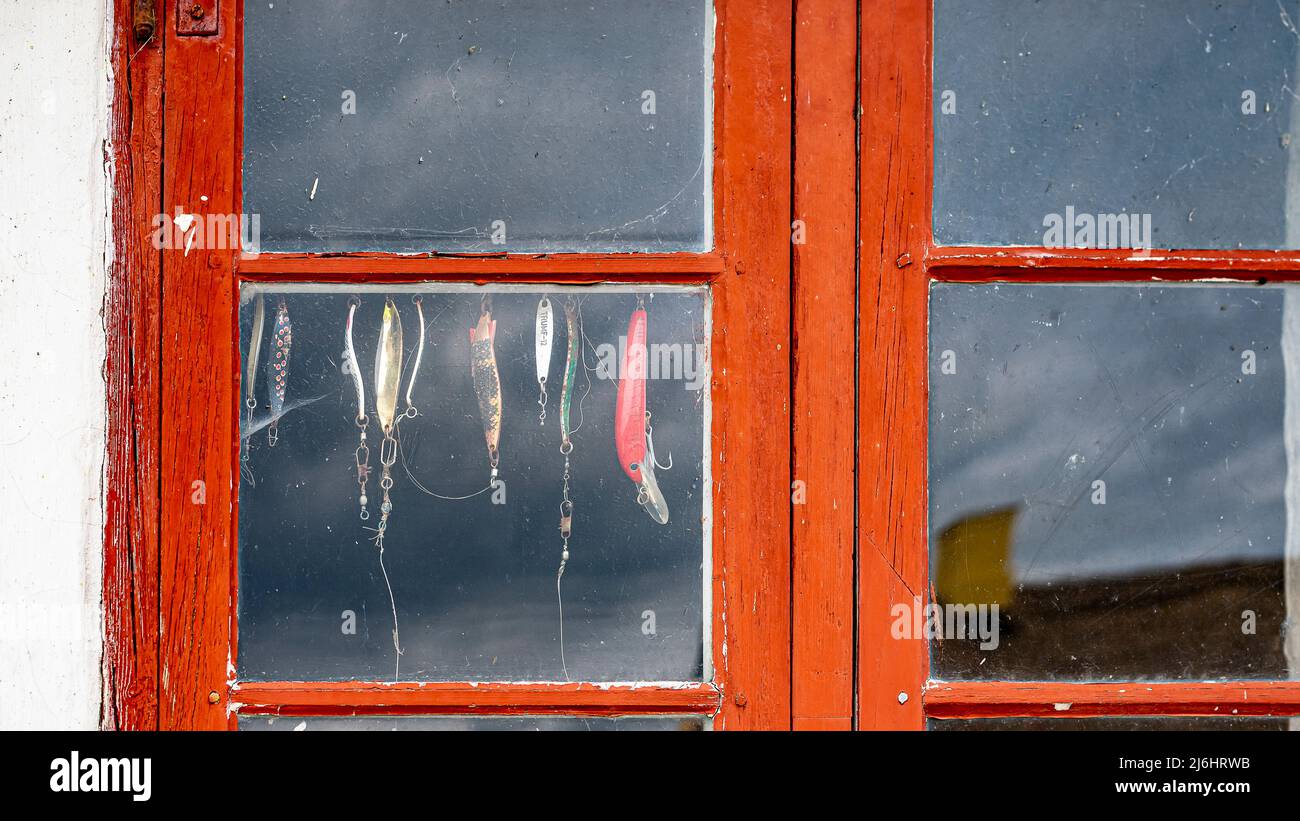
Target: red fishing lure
{"x":632,"y":431}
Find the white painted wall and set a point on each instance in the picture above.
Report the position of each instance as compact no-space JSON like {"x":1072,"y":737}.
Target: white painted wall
{"x":54,"y":101}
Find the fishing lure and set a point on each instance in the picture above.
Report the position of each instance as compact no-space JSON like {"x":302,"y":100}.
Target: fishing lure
{"x":633,"y":434}
{"x":410,"y":411}
{"x":277,"y":369}
{"x":487,"y":380}
{"x":544,"y":338}
{"x":573,"y":329}
{"x":388,"y":382}
{"x":250,"y":375}
{"x":388,"y":367}
{"x":353,"y":367}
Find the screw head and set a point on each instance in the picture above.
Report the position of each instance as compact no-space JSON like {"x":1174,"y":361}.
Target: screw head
{"x":741,"y":700}
{"x":213,"y":697}
{"x":196,"y":11}
{"x":902,"y":698}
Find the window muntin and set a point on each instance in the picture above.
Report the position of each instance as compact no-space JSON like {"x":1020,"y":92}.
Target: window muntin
{"x":516,"y":723}
{"x":1117,"y":723}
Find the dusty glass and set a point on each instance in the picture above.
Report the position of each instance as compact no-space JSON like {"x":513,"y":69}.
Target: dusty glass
{"x":477,"y":126}
{"x":472,"y":561}
{"x":1164,"y":123}
{"x":1108,"y":470}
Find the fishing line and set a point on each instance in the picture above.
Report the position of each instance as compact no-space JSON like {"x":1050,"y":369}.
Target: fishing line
{"x":411,"y":412}
{"x":422,"y":488}
{"x":388,"y":379}
{"x":392,"y":603}
{"x":573,"y":358}
{"x":285,"y":411}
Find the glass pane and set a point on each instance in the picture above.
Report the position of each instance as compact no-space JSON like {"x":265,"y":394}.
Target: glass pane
{"x":488,"y":723}
{"x":1179,"y":113}
{"x":1117,"y":723}
{"x":472,"y":561}
{"x":534,"y":125}
{"x":1108,"y":469}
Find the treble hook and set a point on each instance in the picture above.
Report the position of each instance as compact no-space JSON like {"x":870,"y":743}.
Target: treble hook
{"x":655,"y":461}
{"x":650,"y":447}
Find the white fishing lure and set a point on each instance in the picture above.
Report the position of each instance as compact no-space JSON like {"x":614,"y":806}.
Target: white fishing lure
{"x":545,"y":336}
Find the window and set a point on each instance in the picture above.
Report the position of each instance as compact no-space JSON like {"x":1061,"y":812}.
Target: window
{"x":968,"y":370}
{"x":1081,"y":521}
{"x":335,"y":175}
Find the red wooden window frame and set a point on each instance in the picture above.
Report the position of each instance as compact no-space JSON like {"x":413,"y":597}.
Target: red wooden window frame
{"x":173,"y":397}
{"x":898,"y":262}
{"x":808,"y":587}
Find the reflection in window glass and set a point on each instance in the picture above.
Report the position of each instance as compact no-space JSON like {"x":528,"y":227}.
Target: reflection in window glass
{"x":1114,"y":723}
{"x":1108,"y":471}
{"x":480,"y":723}
{"x":472,"y":544}
{"x":533,"y":125}
{"x":1177,"y":113}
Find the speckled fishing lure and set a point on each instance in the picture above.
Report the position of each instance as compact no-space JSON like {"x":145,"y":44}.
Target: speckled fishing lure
{"x":487,"y":380}
{"x":277,"y":370}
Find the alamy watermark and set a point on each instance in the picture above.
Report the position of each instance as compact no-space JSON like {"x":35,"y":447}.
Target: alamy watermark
{"x":946,"y":621}
{"x":196,"y":232}
{"x":1076,"y":230}
{"x":687,"y":362}
{"x":77,"y":774}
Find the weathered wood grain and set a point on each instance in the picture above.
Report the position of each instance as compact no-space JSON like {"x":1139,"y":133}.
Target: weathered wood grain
{"x":199,"y":383}
{"x":894,"y":233}
{"x":989,"y":699}
{"x":823,"y":347}
{"x":131,"y":321}
{"x":368,"y":698}
{"x":751,"y":364}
